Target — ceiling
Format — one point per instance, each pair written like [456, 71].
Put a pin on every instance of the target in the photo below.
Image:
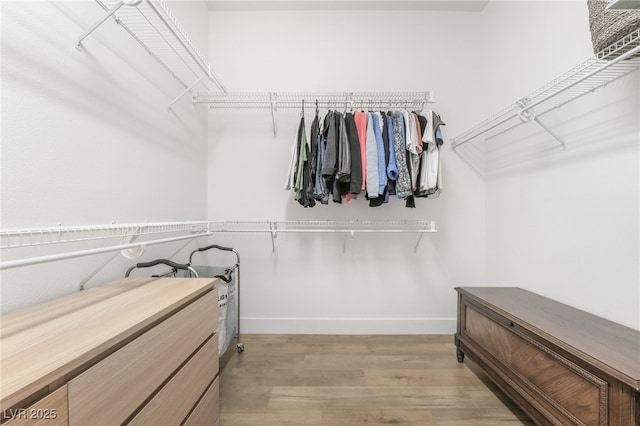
[433, 5]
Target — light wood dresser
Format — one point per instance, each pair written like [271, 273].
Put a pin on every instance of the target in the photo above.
[561, 365]
[136, 351]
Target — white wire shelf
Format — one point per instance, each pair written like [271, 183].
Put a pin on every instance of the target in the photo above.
[328, 100]
[326, 226]
[128, 233]
[608, 65]
[155, 27]
[345, 227]
[29, 237]
[337, 100]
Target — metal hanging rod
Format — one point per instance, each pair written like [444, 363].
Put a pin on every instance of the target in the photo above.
[89, 252]
[329, 100]
[608, 65]
[157, 30]
[335, 100]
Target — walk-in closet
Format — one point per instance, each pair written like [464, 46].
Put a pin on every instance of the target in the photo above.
[234, 212]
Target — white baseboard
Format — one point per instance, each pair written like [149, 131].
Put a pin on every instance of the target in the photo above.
[348, 325]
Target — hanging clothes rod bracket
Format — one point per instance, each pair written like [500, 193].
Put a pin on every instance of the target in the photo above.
[274, 235]
[100, 21]
[527, 114]
[552, 133]
[124, 252]
[415, 248]
[344, 241]
[274, 109]
[187, 90]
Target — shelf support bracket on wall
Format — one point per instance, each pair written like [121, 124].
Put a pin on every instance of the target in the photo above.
[527, 115]
[86, 34]
[344, 241]
[415, 248]
[551, 132]
[274, 235]
[274, 108]
[187, 90]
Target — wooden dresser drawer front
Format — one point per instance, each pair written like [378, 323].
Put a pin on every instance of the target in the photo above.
[110, 391]
[176, 399]
[569, 390]
[49, 411]
[207, 411]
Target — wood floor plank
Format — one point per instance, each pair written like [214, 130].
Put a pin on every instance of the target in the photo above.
[299, 377]
[481, 417]
[358, 380]
[369, 397]
[387, 362]
[421, 377]
[271, 417]
[378, 416]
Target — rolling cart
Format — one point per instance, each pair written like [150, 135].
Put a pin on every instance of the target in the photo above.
[228, 296]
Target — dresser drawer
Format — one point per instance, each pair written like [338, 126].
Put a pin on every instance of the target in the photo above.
[207, 411]
[112, 390]
[564, 390]
[49, 411]
[176, 399]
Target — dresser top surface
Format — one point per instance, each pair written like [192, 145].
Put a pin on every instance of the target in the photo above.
[43, 343]
[608, 342]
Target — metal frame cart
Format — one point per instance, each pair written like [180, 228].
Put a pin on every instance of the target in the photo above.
[225, 273]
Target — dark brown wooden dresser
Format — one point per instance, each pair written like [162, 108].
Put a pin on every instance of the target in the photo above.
[561, 365]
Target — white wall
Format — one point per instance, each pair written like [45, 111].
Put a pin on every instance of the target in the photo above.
[379, 285]
[86, 137]
[562, 224]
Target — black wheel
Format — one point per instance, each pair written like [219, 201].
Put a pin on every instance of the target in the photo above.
[240, 348]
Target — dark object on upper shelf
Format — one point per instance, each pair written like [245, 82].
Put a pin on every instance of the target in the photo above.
[608, 26]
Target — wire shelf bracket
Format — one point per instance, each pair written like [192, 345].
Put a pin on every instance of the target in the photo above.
[617, 61]
[328, 100]
[156, 29]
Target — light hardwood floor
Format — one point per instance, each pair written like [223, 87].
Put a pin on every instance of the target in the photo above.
[356, 380]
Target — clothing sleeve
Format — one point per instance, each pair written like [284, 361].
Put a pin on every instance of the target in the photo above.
[361, 127]
[382, 167]
[329, 167]
[429, 135]
[344, 158]
[293, 162]
[372, 160]
[392, 169]
[355, 186]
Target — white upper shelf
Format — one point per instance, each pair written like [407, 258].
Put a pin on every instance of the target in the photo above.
[155, 27]
[608, 65]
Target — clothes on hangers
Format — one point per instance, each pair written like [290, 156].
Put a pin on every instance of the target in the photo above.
[360, 119]
[403, 186]
[430, 185]
[372, 159]
[355, 184]
[381, 153]
[302, 179]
